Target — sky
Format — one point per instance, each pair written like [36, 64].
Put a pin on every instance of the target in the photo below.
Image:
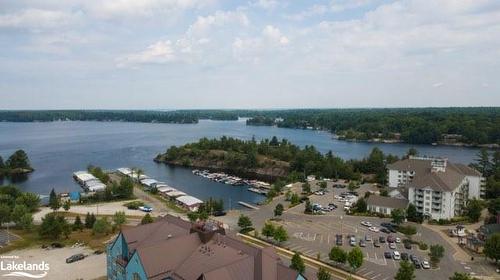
[259, 54]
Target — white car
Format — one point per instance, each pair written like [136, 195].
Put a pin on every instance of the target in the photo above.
[366, 224]
[398, 240]
[392, 245]
[426, 265]
[374, 229]
[396, 255]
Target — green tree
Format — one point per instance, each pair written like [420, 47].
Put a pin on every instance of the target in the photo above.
[308, 207]
[473, 209]
[412, 152]
[26, 222]
[297, 263]
[192, 216]
[101, 226]
[355, 258]
[2, 165]
[4, 213]
[323, 274]
[268, 230]
[411, 212]
[53, 226]
[147, 219]
[436, 253]
[492, 247]
[119, 219]
[406, 271]
[398, 216]
[482, 162]
[338, 255]
[280, 235]
[361, 206]
[306, 188]
[278, 210]
[323, 185]
[294, 199]
[67, 205]
[19, 160]
[125, 189]
[90, 220]
[54, 202]
[30, 200]
[462, 276]
[78, 225]
[18, 212]
[244, 222]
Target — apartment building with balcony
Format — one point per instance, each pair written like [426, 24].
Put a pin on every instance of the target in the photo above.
[438, 188]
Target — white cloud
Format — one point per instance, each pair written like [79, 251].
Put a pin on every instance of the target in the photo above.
[343, 5]
[266, 4]
[274, 35]
[157, 53]
[202, 25]
[437, 85]
[312, 11]
[37, 19]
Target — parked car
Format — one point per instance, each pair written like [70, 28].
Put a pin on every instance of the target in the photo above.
[398, 240]
[384, 230]
[392, 245]
[386, 225]
[396, 255]
[425, 265]
[338, 239]
[75, 258]
[366, 224]
[391, 239]
[413, 258]
[146, 208]
[388, 255]
[404, 256]
[352, 241]
[381, 239]
[376, 244]
[417, 265]
[407, 245]
[392, 229]
[219, 213]
[373, 229]
[362, 243]
[368, 238]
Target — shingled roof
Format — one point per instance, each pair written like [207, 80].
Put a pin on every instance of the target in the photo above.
[169, 248]
[388, 202]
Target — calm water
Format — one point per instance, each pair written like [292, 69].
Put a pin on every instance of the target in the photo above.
[57, 149]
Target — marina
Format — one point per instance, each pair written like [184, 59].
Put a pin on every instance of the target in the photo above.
[255, 186]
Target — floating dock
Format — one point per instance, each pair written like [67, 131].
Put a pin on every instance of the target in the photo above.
[248, 205]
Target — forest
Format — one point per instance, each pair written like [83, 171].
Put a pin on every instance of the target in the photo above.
[412, 125]
[17, 163]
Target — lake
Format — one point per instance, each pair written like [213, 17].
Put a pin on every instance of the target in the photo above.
[57, 149]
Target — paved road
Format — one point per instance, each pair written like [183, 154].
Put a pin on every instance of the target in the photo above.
[6, 237]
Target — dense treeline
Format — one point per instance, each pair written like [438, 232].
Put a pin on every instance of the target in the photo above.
[181, 116]
[17, 163]
[412, 125]
[241, 155]
[17, 206]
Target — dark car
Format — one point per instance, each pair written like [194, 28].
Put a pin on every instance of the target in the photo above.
[391, 239]
[388, 255]
[417, 264]
[413, 258]
[384, 230]
[338, 239]
[386, 225]
[75, 258]
[391, 229]
[362, 243]
[219, 213]
[381, 239]
[376, 244]
[57, 245]
[407, 245]
[404, 256]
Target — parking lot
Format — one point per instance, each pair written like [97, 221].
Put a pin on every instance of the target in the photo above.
[314, 235]
[6, 237]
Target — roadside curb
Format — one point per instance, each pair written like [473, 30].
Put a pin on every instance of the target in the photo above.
[307, 260]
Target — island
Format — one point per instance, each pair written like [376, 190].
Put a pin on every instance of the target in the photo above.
[17, 164]
[272, 159]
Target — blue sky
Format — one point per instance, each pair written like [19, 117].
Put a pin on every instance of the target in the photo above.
[168, 54]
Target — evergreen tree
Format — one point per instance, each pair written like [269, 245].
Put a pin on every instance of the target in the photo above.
[492, 247]
[54, 202]
[67, 205]
[268, 230]
[297, 263]
[147, 219]
[406, 271]
[89, 220]
[278, 211]
[2, 164]
[78, 225]
[244, 222]
[436, 253]
[119, 219]
[19, 159]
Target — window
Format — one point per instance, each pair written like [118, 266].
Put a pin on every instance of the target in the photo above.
[136, 276]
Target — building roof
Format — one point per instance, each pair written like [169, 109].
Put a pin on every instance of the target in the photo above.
[425, 177]
[166, 189]
[221, 257]
[188, 200]
[388, 202]
[149, 182]
[175, 193]
[83, 176]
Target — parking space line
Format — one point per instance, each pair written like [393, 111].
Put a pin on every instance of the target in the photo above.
[362, 269]
[328, 238]
[368, 273]
[375, 277]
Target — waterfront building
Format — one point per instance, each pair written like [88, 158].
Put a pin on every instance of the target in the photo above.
[189, 202]
[174, 249]
[439, 189]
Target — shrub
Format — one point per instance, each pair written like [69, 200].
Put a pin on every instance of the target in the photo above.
[134, 205]
[423, 246]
